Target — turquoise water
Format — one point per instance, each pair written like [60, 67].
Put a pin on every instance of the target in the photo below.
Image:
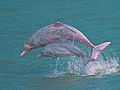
[98, 19]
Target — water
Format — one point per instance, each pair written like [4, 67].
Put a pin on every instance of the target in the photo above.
[99, 20]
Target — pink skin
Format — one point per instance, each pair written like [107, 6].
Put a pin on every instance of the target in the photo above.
[26, 50]
[84, 40]
[80, 36]
[73, 34]
[77, 36]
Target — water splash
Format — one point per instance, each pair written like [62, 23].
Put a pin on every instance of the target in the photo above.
[102, 66]
[107, 63]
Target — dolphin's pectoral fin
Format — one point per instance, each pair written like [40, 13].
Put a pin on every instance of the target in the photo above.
[40, 55]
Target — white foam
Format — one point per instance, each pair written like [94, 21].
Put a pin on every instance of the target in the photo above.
[101, 67]
[105, 64]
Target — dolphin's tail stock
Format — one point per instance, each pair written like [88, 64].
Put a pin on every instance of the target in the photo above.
[98, 49]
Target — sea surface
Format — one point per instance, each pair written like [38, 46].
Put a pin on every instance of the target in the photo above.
[99, 20]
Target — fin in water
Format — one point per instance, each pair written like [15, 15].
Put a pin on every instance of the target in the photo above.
[98, 49]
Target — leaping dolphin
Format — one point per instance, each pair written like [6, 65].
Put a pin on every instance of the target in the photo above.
[58, 32]
[60, 49]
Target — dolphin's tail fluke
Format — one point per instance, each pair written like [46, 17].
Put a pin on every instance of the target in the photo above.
[98, 49]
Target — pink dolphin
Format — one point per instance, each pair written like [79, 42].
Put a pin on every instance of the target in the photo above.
[58, 32]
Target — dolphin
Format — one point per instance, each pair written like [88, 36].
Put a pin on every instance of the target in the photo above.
[63, 49]
[60, 32]
[58, 49]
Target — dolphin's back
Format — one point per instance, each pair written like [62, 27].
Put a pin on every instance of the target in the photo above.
[50, 34]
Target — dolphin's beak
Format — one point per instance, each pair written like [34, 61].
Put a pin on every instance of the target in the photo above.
[26, 50]
[24, 53]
